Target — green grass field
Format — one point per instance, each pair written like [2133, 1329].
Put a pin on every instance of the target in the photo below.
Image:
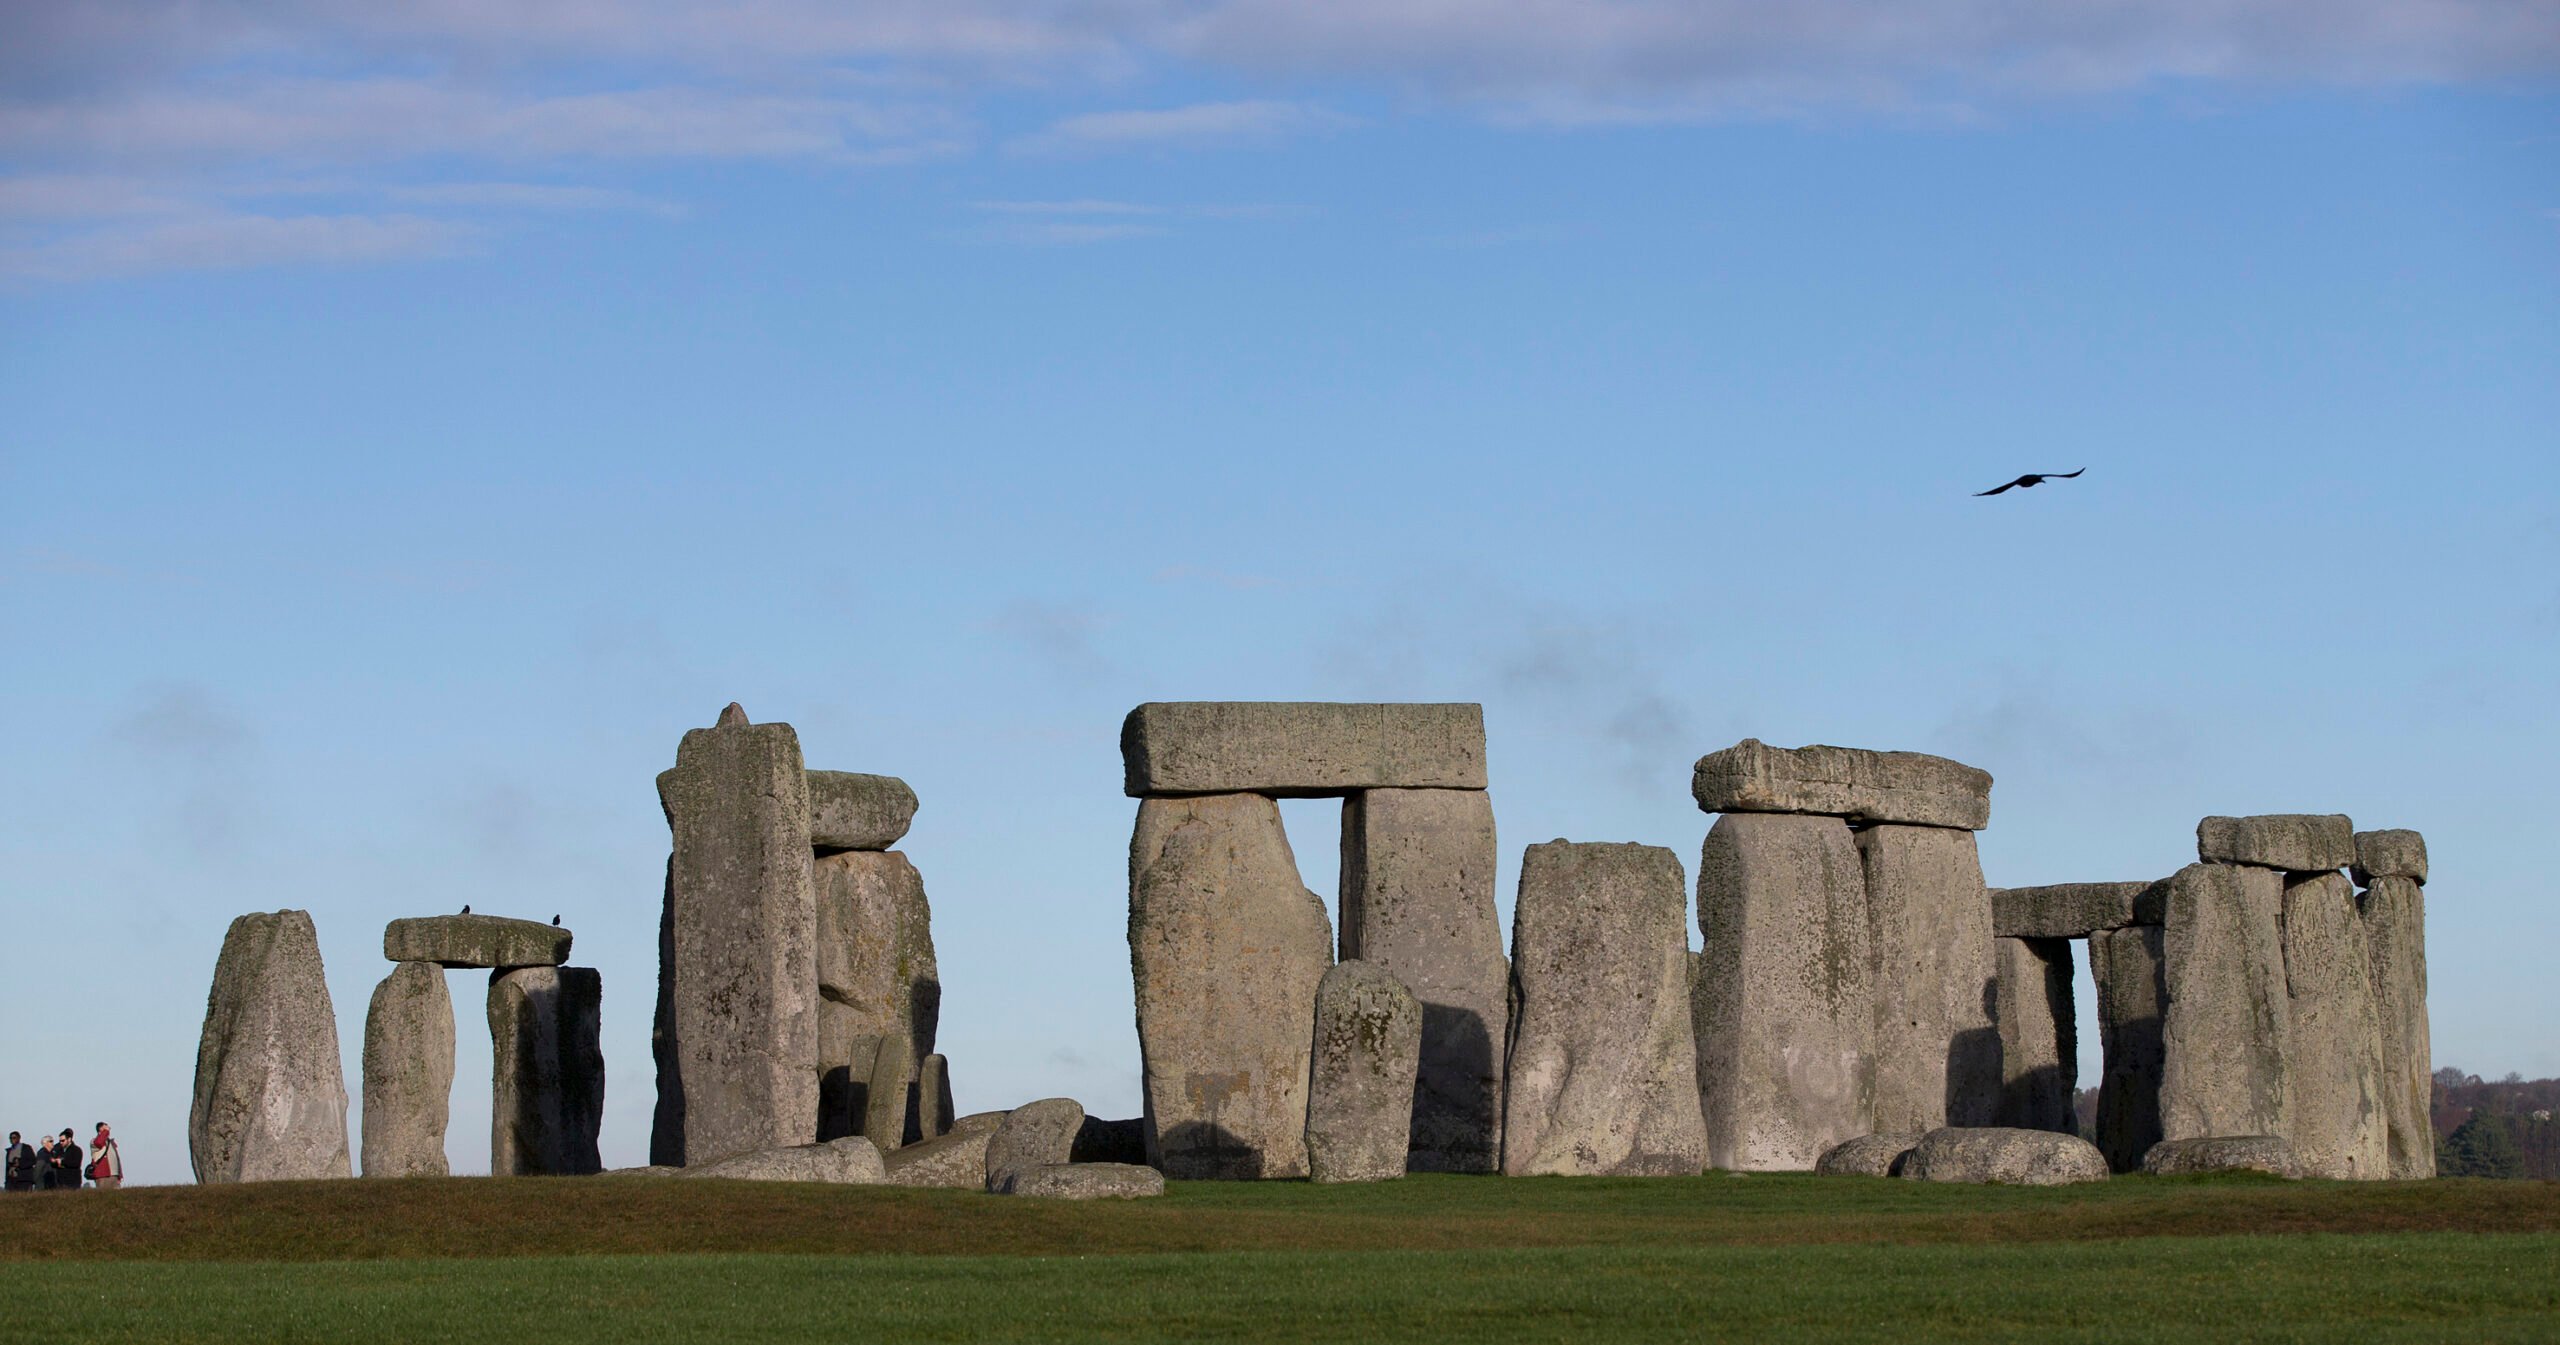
[629, 1261]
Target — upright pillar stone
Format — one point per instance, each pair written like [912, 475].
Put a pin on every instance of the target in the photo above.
[1417, 902]
[743, 936]
[1226, 946]
[934, 1112]
[546, 1071]
[1929, 924]
[2394, 910]
[890, 1098]
[2133, 994]
[2039, 1034]
[2228, 1029]
[2341, 1127]
[1786, 1009]
[408, 1072]
[270, 1100]
[1368, 1043]
[1603, 1063]
[877, 978]
[666, 1118]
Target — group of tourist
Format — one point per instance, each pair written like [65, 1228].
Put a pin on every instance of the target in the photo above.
[54, 1164]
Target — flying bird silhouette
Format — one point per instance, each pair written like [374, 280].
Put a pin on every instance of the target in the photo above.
[2030, 479]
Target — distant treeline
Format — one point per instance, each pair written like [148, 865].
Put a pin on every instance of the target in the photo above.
[2484, 1127]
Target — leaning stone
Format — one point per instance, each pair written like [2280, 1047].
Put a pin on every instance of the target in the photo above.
[1083, 1181]
[2039, 1034]
[1603, 1068]
[1368, 1041]
[1417, 901]
[1862, 786]
[1100, 1141]
[2341, 1127]
[1868, 1156]
[1299, 749]
[2294, 842]
[852, 1161]
[408, 1072]
[1226, 945]
[1929, 926]
[2395, 936]
[2069, 910]
[270, 1102]
[2008, 1157]
[933, 1110]
[2228, 1029]
[546, 1071]
[2390, 854]
[743, 942]
[957, 1160]
[2133, 995]
[490, 941]
[876, 967]
[1785, 1013]
[2270, 1154]
[1034, 1135]
[889, 1106]
[851, 811]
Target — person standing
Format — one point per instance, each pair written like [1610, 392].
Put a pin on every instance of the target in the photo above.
[106, 1160]
[22, 1164]
[66, 1163]
[44, 1164]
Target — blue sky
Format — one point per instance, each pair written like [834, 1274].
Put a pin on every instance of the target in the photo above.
[409, 426]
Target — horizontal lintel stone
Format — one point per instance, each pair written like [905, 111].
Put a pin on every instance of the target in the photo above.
[2390, 854]
[475, 941]
[2074, 910]
[1300, 749]
[852, 811]
[1912, 788]
[2294, 842]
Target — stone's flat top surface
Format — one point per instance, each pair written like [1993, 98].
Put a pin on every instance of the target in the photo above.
[2221, 1153]
[2389, 854]
[1083, 1181]
[1867, 1156]
[1300, 749]
[852, 811]
[1996, 1154]
[2074, 910]
[1863, 786]
[475, 941]
[2295, 842]
[854, 1161]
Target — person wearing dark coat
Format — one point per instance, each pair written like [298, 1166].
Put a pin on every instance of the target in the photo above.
[21, 1164]
[44, 1163]
[66, 1163]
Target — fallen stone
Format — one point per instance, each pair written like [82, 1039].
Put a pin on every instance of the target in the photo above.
[1083, 1181]
[2294, 842]
[1299, 749]
[2227, 1032]
[1226, 946]
[1868, 1156]
[2270, 1154]
[2390, 854]
[1417, 901]
[652, 1170]
[890, 1100]
[2131, 975]
[1603, 1066]
[957, 1160]
[876, 971]
[2004, 1156]
[2039, 1034]
[1368, 1042]
[2341, 1127]
[2394, 911]
[852, 1161]
[1100, 1141]
[2073, 910]
[270, 1103]
[490, 941]
[1937, 1051]
[933, 1111]
[1033, 1135]
[851, 811]
[1785, 999]
[546, 1071]
[1846, 782]
[408, 1072]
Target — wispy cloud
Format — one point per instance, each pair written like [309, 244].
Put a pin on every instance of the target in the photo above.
[1089, 220]
[1059, 634]
[531, 196]
[1197, 125]
[235, 241]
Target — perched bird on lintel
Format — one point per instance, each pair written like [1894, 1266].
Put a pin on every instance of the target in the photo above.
[466, 908]
[2030, 479]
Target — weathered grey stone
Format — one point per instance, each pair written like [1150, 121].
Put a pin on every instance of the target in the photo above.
[958, 1159]
[2390, 854]
[2006, 1156]
[852, 1161]
[2333, 1073]
[666, 1117]
[546, 1071]
[408, 1072]
[852, 811]
[2039, 1034]
[1603, 1068]
[1299, 749]
[1226, 945]
[1368, 1043]
[2295, 842]
[877, 973]
[743, 936]
[2133, 996]
[1033, 1135]
[475, 941]
[270, 1102]
[1929, 929]
[1868, 1156]
[1417, 900]
[844, 1070]
[2072, 910]
[1785, 1014]
[2228, 1029]
[1849, 782]
[890, 1103]
[933, 1111]
[2395, 935]
[2221, 1153]
[1083, 1181]
[1100, 1141]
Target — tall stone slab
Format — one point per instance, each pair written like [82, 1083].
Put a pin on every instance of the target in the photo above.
[546, 1086]
[878, 977]
[666, 1118]
[1603, 1062]
[1226, 946]
[1368, 1043]
[1846, 782]
[934, 1112]
[1786, 1020]
[2131, 974]
[2341, 1127]
[2228, 1029]
[1929, 931]
[2394, 911]
[889, 1099]
[1417, 902]
[743, 940]
[408, 1072]
[2039, 1034]
[270, 1099]
[1299, 749]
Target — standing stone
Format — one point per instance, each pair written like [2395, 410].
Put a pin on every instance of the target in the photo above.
[2295, 842]
[546, 1071]
[408, 1072]
[1929, 926]
[1786, 1014]
[270, 1101]
[1226, 945]
[876, 973]
[844, 1071]
[1603, 1071]
[2039, 1034]
[2395, 936]
[1847, 782]
[2334, 1069]
[2227, 1032]
[934, 1112]
[1417, 901]
[744, 936]
[1368, 1044]
[2133, 995]
[889, 1101]
[666, 1119]
[852, 811]
[1299, 749]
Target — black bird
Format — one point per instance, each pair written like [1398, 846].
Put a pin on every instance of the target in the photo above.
[555, 920]
[2030, 479]
[466, 908]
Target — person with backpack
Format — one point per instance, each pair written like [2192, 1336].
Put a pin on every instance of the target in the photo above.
[21, 1164]
[66, 1162]
[106, 1160]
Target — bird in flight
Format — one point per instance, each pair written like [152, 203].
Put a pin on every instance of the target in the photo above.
[2030, 479]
